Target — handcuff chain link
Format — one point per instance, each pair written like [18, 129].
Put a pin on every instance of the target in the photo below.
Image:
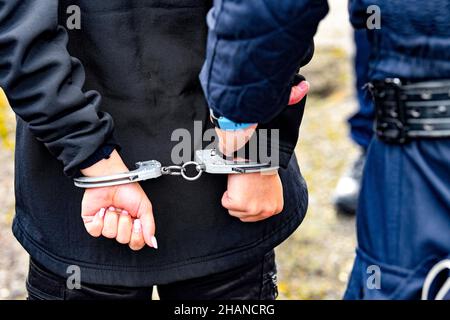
[177, 170]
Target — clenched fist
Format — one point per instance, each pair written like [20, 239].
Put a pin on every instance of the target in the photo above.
[253, 197]
[120, 212]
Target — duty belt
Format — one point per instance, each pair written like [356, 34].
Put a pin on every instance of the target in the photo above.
[412, 110]
[209, 161]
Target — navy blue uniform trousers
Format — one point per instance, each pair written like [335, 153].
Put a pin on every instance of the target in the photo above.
[403, 219]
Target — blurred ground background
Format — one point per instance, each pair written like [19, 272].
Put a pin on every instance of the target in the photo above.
[315, 262]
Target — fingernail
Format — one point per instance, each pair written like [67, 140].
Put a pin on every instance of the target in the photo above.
[154, 242]
[101, 213]
[304, 85]
[124, 213]
[112, 209]
[137, 226]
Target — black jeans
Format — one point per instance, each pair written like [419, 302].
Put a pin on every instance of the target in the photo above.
[256, 281]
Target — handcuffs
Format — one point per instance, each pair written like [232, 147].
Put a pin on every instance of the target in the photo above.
[208, 160]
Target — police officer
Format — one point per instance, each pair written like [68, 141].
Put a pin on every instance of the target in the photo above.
[404, 211]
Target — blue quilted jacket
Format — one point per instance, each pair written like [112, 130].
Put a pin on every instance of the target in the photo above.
[255, 47]
[413, 41]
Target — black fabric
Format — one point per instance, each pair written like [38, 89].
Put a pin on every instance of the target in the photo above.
[144, 58]
[103, 152]
[44, 83]
[256, 281]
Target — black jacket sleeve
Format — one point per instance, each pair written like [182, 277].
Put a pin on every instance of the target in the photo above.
[44, 84]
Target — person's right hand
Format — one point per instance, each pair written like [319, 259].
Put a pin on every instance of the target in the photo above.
[120, 212]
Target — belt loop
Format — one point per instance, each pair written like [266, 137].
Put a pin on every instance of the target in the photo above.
[396, 85]
[391, 124]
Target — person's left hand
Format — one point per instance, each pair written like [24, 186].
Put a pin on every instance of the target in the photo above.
[253, 197]
[121, 212]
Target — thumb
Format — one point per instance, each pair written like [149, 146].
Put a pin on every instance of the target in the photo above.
[299, 92]
[231, 141]
[145, 214]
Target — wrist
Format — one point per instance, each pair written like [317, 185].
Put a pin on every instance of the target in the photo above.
[270, 174]
[114, 164]
[226, 124]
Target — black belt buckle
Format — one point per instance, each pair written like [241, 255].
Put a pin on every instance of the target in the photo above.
[390, 125]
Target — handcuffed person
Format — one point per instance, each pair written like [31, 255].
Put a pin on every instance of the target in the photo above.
[138, 63]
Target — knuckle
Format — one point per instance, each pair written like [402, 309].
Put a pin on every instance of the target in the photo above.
[252, 209]
[233, 213]
[268, 214]
[271, 212]
[251, 219]
[278, 210]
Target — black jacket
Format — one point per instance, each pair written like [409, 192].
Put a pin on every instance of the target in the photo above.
[138, 64]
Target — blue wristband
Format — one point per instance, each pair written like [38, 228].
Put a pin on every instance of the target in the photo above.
[224, 123]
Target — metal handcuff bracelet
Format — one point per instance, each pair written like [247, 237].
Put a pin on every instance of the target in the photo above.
[208, 160]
